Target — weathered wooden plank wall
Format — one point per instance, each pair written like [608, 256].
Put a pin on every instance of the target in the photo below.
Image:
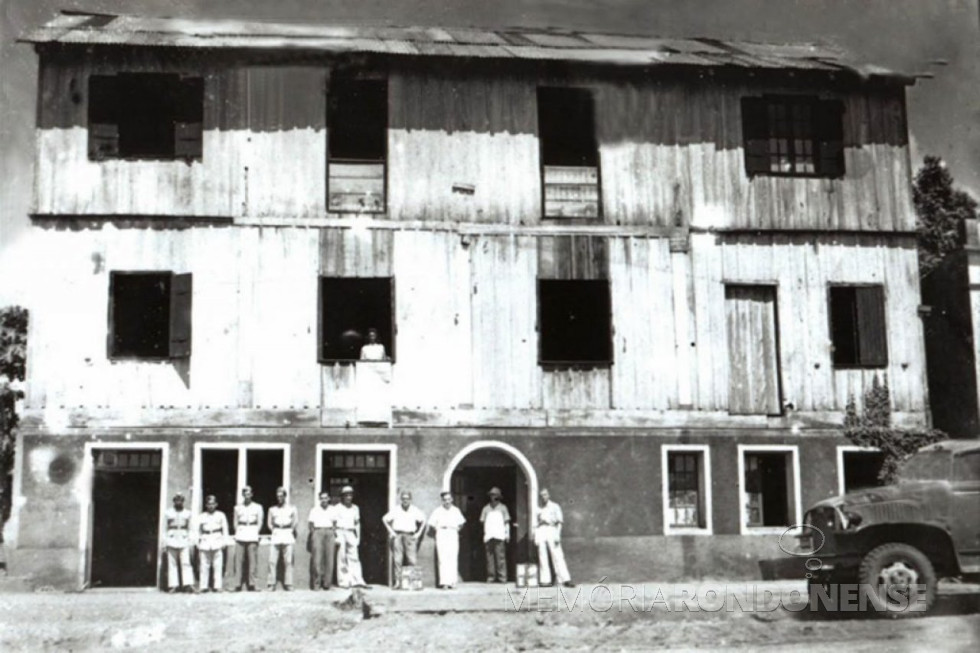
[466, 318]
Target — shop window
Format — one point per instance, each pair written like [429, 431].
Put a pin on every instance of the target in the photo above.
[575, 322]
[357, 144]
[149, 315]
[687, 492]
[857, 326]
[770, 487]
[145, 116]
[225, 470]
[793, 136]
[569, 153]
[349, 307]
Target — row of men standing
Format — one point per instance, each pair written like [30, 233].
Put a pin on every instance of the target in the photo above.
[335, 533]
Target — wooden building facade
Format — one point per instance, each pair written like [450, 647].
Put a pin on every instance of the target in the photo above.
[648, 275]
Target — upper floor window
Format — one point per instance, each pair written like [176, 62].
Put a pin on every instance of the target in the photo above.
[793, 136]
[149, 315]
[351, 308]
[857, 326]
[357, 144]
[569, 153]
[575, 322]
[145, 116]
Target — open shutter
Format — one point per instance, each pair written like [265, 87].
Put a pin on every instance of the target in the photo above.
[830, 138]
[872, 342]
[188, 140]
[189, 118]
[103, 117]
[180, 316]
[755, 135]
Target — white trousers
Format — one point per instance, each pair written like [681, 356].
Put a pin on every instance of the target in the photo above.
[447, 548]
[349, 571]
[545, 537]
[211, 560]
[179, 558]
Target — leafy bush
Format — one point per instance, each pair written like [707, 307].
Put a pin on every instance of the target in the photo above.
[13, 356]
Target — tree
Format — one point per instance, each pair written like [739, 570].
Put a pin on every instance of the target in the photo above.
[941, 210]
[13, 356]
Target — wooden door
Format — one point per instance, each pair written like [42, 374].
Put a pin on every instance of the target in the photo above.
[753, 351]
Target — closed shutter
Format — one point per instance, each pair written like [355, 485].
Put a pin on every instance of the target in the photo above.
[103, 117]
[872, 338]
[180, 316]
[830, 138]
[755, 135]
[188, 140]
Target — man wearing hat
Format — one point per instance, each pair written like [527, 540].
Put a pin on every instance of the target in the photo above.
[348, 520]
[283, 520]
[178, 542]
[496, 533]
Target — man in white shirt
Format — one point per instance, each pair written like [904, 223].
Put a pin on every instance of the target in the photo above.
[248, 520]
[212, 536]
[283, 520]
[404, 524]
[446, 522]
[547, 535]
[178, 543]
[496, 534]
[348, 519]
[373, 350]
[323, 541]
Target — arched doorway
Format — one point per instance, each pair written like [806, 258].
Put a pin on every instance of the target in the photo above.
[470, 475]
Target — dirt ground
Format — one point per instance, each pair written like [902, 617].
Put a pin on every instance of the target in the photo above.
[302, 620]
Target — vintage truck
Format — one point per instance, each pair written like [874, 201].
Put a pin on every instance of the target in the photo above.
[924, 527]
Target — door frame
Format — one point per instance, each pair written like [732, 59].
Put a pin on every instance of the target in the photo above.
[197, 481]
[86, 529]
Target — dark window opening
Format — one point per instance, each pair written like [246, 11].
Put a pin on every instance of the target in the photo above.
[768, 486]
[149, 315]
[145, 116]
[566, 127]
[357, 119]
[219, 476]
[349, 307]
[857, 326]
[793, 136]
[685, 493]
[861, 469]
[575, 322]
[264, 472]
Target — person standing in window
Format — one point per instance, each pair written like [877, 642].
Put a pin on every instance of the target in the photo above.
[373, 350]
[496, 534]
[248, 520]
[179, 546]
[547, 536]
[283, 520]
[212, 534]
[348, 519]
[446, 522]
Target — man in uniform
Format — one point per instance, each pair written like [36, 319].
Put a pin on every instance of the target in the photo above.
[446, 521]
[547, 535]
[248, 520]
[348, 518]
[405, 524]
[496, 534]
[212, 535]
[178, 543]
[323, 541]
[283, 520]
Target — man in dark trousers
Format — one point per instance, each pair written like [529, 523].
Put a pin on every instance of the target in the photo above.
[496, 534]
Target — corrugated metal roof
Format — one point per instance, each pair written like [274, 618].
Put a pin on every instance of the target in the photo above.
[540, 44]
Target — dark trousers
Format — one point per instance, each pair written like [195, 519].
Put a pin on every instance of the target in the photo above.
[496, 561]
[403, 552]
[251, 551]
[324, 547]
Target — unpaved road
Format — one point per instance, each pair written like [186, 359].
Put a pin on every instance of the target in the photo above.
[302, 621]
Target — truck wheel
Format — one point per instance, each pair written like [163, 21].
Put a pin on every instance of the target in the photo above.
[901, 577]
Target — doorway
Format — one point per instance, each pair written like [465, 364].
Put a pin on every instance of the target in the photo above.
[125, 527]
[753, 350]
[471, 478]
[368, 472]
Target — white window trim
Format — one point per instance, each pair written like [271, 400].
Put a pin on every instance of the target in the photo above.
[198, 488]
[705, 451]
[85, 505]
[797, 516]
[841, 450]
[390, 449]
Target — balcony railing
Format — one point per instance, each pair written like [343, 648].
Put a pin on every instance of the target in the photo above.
[356, 186]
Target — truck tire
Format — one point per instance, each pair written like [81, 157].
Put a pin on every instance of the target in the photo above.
[890, 570]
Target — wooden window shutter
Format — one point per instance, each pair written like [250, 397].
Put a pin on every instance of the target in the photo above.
[872, 338]
[188, 140]
[755, 135]
[103, 117]
[180, 316]
[830, 137]
[189, 118]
